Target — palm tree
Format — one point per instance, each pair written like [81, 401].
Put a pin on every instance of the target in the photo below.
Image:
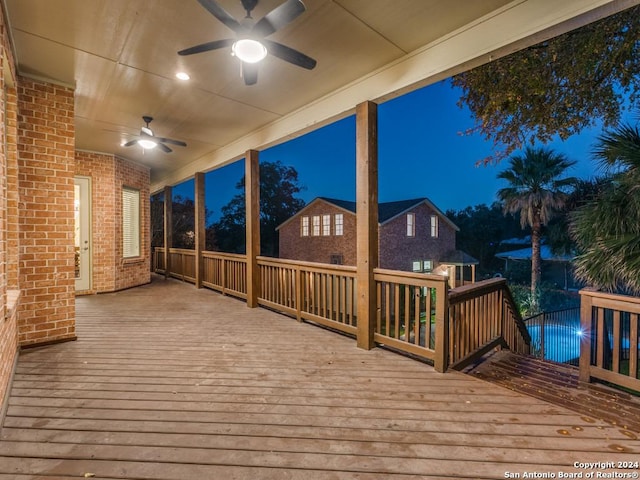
[607, 229]
[536, 190]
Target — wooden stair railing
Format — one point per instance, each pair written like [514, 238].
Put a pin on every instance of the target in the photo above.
[484, 316]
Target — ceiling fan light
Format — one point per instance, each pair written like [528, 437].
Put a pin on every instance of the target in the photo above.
[248, 50]
[147, 144]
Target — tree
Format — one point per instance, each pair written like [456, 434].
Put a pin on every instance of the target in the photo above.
[607, 229]
[481, 230]
[183, 228]
[557, 234]
[536, 190]
[278, 186]
[557, 87]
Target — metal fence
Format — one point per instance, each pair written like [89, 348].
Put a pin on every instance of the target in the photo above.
[555, 336]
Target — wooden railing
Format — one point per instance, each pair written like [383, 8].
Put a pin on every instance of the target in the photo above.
[609, 340]
[415, 312]
[225, 273]
[410, 310]
[482, 317]
[182, 261]
[316, 292]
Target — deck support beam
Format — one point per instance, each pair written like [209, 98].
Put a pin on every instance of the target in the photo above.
[168, 229]
[366, 219]
[252, 199]
[200, 227]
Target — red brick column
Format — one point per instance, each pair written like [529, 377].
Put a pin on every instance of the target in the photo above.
[46, 139]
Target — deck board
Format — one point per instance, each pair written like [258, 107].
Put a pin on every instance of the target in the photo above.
[170, 382]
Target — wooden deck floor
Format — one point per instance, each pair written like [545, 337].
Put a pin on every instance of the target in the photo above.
[170, 382]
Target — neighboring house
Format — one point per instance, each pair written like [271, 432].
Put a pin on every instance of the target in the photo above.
[414, 235]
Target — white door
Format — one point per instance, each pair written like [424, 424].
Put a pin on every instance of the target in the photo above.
[82, 210]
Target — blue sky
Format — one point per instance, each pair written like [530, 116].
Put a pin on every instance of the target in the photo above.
[421, 154]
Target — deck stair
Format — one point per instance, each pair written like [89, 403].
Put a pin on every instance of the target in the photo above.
[558, 384]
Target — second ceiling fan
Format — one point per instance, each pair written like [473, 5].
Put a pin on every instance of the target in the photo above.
[250, 44]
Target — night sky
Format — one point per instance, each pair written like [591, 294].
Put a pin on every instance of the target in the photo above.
[421, 154]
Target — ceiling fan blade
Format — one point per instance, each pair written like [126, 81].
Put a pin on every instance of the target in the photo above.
[164, 148]
[290, 55]
[179, 143]
[221, 14]
[131, 142]
[205, 47]
[278, 18]
[250, 73]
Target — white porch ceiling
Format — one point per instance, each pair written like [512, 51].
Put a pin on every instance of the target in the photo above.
[120, 55]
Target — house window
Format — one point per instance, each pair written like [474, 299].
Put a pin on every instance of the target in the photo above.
[434, 226]
[326, 225]
[338, 227]
[304, 226]
[316, 225]
[422, 266]
[336, 259]
[411, 225]
[130, 222]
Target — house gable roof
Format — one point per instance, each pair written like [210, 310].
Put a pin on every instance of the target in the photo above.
[387, 211]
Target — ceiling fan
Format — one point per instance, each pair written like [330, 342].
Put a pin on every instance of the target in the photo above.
[148, 140]
[250, 44]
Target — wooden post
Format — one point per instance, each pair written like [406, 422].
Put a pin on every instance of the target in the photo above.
[441, 360]
[199, 227]
[168, 229]
[366, 219]
[586, 312]
[252, 198]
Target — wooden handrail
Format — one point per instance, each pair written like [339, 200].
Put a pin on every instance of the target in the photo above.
[231, 256]
[309, 265]
[483, 316]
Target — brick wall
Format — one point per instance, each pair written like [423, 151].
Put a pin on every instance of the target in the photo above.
[398, 251]
[133, 272]
[46, 139]
[8, 240]
[108, 173]
[13, 196]
[319, 249]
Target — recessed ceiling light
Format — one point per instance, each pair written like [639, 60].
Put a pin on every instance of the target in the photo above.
[182, 76]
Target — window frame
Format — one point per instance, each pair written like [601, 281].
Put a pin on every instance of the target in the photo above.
[435, 226]
[411, 224]
[326, 225]
[315, 226]
[131, 239]
[338, 226]
[304, 226]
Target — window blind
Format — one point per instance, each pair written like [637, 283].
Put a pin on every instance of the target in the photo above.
[130, 222]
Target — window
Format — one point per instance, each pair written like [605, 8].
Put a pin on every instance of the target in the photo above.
[130, 222]
[422, 266]
[336, 259]
[338, 227]
[411, 225]
[326, 225]
[316, 225]
[304, 226]
[434, 226]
